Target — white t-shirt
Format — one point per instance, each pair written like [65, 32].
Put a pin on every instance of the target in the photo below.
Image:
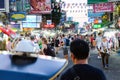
[105, 45]
[98, 41]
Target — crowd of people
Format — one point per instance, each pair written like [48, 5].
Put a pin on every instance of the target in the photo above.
[77, 44]
[63, 41]
[52, 45]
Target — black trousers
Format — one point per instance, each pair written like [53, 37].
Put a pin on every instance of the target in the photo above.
[119, 42]
[105, 58]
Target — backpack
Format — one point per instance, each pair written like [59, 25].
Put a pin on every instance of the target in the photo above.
[67, 42]
[49, 51]
[56, 42]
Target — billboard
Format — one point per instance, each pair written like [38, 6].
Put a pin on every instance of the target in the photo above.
[17, 16]
[113, 0]
[40, 6]
[29, 25]
[15, 26]
[33, 18]
[32, 21]
[96, 1]
[103, 7]
[4, 5]
[91, 14]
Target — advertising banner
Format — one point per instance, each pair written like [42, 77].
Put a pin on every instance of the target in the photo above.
[103, 7]
[17, 16]
[29, 25]
[2, 5]
[32, 21]
[40, 6]
[113, 0]
[91, 14]
[15, 26]
[33, 18]
[96, 1]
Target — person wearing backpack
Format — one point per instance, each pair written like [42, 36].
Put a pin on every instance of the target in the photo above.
[56, 42]
[65, 49]
[67, 42]
[47, 49]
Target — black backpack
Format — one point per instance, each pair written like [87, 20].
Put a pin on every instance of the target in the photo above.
[50, 51]
[67, 42]
[56, 42]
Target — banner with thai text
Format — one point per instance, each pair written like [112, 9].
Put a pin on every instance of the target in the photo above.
[103, 7]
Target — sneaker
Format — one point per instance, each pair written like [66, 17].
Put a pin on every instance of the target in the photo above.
[99, 57]
[106, 67]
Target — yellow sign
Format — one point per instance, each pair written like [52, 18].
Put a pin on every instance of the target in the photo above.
[18, 16]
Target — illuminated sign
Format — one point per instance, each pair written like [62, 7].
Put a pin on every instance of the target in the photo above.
[18, 16]
[49, 26]
[97, 26]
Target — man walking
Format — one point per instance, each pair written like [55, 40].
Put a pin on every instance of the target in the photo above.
[105, 52]
[81, 70]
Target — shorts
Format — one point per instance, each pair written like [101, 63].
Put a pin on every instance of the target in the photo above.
[98, 48]
[65, 51]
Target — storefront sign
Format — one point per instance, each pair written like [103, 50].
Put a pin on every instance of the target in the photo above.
[91, 14]
[103, 7]
[40, 7]
[49, 22]
[49, 26]
[15, 26]
[96, 1]
[96, 26]
[113, 0]
[18, 16]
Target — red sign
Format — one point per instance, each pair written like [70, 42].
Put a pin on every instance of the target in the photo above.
[49, 26]
[103, 7]
[40, 6]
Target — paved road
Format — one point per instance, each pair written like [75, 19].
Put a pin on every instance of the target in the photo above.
[113, 73]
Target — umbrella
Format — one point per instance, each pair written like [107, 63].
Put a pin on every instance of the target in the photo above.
[9, 32]
[26, 46]
[5, 31]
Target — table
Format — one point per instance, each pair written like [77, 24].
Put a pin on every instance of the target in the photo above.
[45, 68]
